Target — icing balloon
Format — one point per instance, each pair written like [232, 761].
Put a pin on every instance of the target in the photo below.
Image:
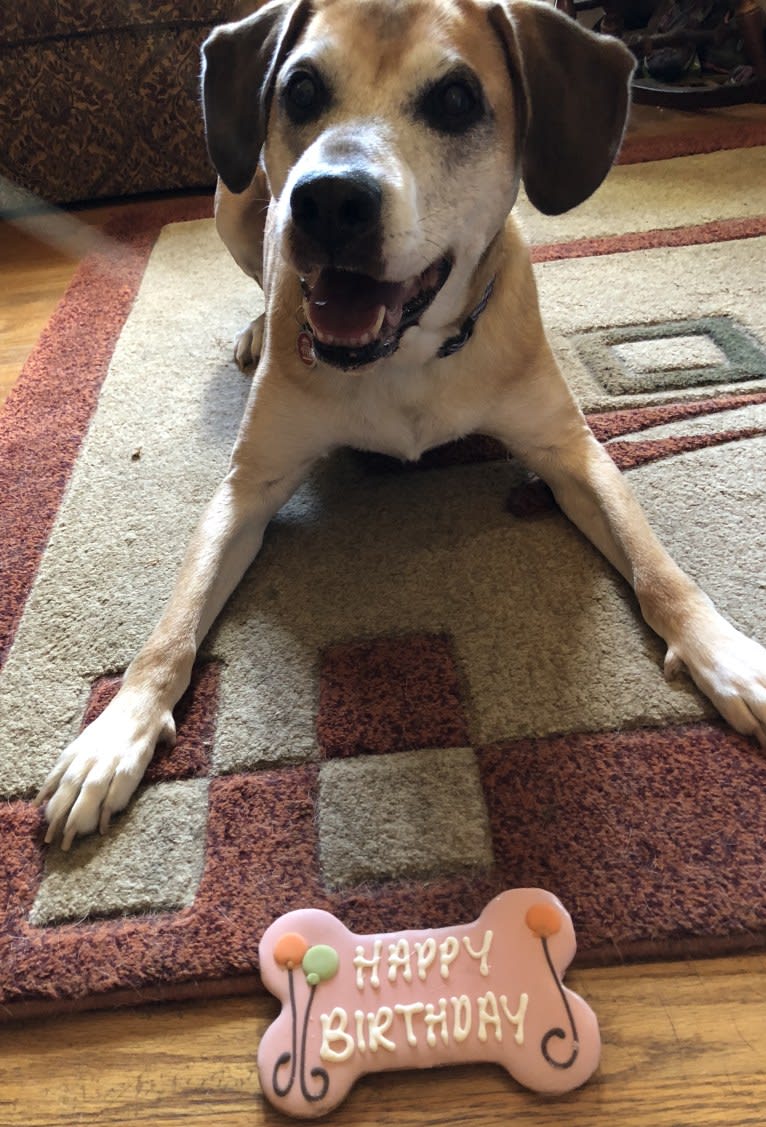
[543, 920]
[320, 963]
[290, 949]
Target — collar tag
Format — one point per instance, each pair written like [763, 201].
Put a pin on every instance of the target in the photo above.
[306, 349]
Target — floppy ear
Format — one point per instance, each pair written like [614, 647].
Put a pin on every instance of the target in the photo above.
[574, 86]
[239, 65]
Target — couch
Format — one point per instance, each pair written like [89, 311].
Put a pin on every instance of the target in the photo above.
[100, 98]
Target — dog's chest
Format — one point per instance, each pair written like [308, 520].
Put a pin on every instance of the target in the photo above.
[404, 413]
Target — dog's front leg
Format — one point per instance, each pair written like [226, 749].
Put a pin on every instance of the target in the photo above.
[241, 220]
[545, 428]
[100, 770]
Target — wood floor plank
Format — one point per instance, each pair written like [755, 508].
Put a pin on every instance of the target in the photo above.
[684, 1046]
[32, 279]
[37, 262]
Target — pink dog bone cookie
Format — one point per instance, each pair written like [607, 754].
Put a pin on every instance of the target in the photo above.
[485, 991]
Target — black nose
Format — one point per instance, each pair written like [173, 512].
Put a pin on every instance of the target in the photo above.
[337, 211]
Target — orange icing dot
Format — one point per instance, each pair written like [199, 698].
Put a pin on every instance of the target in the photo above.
[543, 920]
[290, 949]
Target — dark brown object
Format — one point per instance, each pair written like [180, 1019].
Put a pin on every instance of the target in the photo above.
[634, 22]
[102, 99]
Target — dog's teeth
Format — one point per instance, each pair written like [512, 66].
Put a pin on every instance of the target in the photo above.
[348, 342]
[394, 317]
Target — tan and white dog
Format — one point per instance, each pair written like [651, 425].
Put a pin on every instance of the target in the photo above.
[369, 153]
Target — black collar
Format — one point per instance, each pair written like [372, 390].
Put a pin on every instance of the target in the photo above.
[454, 344]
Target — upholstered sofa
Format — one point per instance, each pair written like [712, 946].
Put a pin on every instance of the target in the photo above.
[100, 98]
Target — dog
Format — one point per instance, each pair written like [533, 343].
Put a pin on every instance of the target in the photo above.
[369, 153]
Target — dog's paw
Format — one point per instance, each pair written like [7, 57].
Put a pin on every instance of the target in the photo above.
[99, 771]
[247, 351]
[729, 668]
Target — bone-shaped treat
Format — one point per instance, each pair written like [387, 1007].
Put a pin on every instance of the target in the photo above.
[484, 991]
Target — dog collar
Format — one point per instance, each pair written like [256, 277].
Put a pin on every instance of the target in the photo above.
[450, 346]
[461, 338]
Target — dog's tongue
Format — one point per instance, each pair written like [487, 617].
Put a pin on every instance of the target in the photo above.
[346, 306]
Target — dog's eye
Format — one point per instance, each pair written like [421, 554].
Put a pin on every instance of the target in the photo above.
[457, 100]
[304, 96]
[452, 105]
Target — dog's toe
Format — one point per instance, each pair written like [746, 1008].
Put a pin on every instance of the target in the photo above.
[674, 666]
[730, 669]
[98, 773]
[247, 351]
[74, 806]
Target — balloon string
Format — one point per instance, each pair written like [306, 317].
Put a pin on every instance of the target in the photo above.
[288, 1057]
[316, 1073]
[559, 1032]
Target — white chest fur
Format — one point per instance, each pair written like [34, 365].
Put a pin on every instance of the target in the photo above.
[404, 409]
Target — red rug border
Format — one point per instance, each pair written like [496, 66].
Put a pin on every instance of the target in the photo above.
[217, 989]
[693, 234]
[722, 137]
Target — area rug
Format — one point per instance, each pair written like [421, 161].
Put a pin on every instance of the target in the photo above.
[429, 687]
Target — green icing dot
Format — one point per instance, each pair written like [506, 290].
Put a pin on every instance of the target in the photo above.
[320, 963]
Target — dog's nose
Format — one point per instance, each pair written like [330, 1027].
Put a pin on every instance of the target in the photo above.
[336, 210]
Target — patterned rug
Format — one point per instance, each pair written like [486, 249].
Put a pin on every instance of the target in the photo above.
[429, 687]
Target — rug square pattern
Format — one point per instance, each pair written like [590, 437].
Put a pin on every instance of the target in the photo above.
[154, 864]
[659, 292]
[367, 689]
[405, 815]
[672, 355]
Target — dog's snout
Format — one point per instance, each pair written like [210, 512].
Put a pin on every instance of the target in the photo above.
[336, 211]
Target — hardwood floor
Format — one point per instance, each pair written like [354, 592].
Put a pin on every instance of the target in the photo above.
[32, 279]
[683, 1046]
[684, 1043]
[38, 259]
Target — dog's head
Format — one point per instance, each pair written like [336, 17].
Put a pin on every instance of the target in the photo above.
[394, 134]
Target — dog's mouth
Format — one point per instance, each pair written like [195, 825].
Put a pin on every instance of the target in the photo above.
[356, 320]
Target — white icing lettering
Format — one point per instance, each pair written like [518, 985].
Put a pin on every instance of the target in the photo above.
[445, 1022]
[334, 1032]
[482, 953]
[461, 1024]
[449, 949]
[407, 1012]
[378, 1025]
[516, 1019]
[399, 960]
[372, 964]
[359, 1019]
[436, 1017]
[426, 953]
[488, 1015]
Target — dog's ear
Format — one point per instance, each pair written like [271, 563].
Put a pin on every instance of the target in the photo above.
[573, 86]
[239, 65]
